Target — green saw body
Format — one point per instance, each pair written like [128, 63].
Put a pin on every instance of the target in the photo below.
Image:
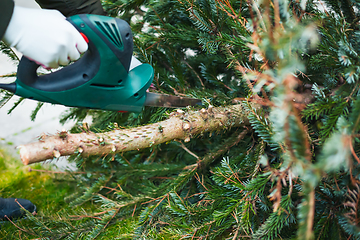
[100, 79]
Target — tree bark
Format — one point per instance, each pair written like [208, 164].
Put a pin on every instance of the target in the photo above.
[180, 125]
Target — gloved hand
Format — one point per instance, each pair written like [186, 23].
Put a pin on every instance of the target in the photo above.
[134, 63]
[44, 36]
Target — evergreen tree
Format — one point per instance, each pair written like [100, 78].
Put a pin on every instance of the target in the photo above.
[290, 171]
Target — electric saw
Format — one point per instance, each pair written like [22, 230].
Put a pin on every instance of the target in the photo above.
[100, 79]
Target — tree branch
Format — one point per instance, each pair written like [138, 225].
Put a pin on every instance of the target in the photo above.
[180, 125]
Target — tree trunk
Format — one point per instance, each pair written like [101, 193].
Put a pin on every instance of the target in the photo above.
[180, 125]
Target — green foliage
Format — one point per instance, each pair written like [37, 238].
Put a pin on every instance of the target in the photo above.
[5, 97]
[292, 172]
[45, 190]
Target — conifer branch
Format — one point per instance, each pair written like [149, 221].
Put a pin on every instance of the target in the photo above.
[180, 125]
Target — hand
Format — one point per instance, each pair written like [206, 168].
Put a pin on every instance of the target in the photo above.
[44, 36]
[134, 63]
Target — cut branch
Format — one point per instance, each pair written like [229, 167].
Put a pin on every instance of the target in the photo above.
[180, 125]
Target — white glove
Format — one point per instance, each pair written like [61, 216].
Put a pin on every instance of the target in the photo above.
[134, 63]
[44, 36]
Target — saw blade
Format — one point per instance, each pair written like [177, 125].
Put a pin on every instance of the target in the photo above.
[163, 100]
